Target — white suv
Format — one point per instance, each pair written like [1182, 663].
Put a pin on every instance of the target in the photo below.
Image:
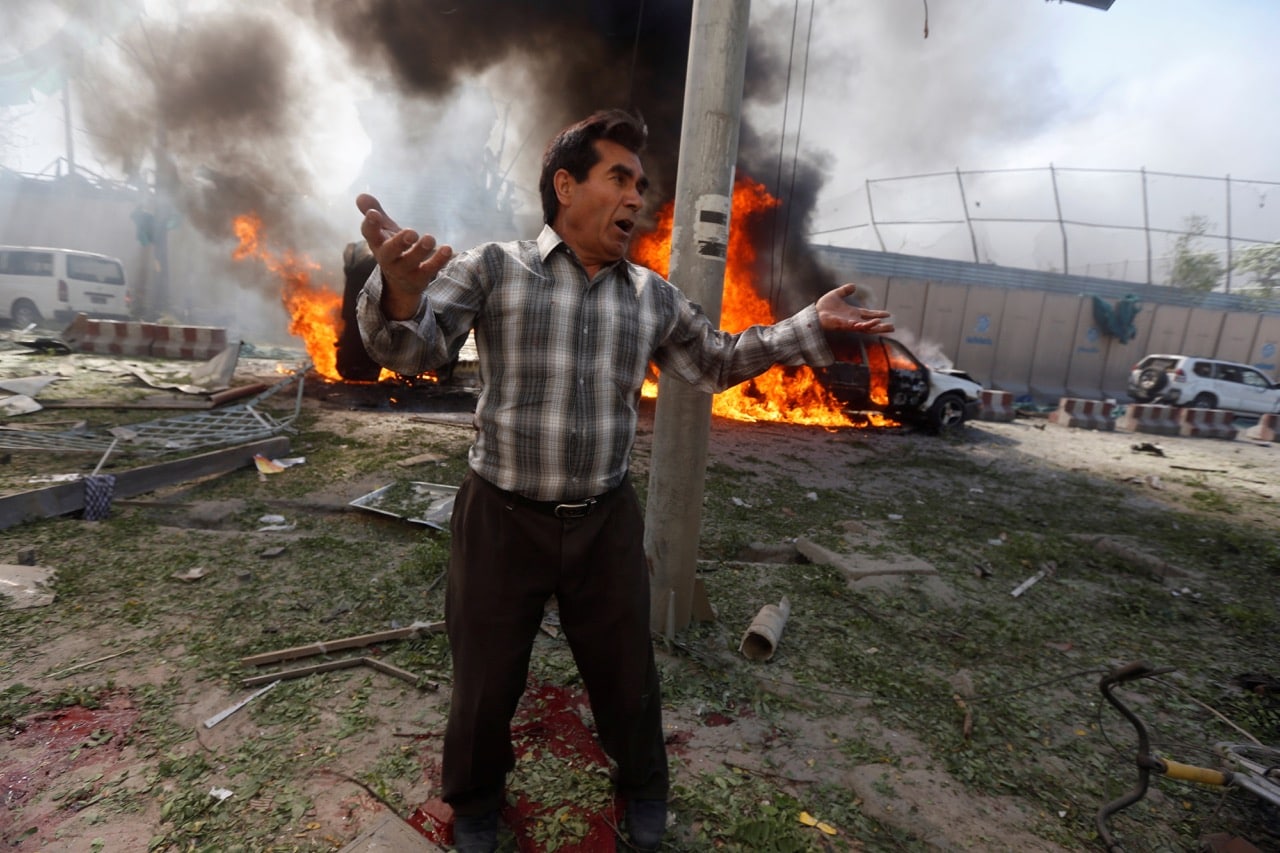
[1203, 383]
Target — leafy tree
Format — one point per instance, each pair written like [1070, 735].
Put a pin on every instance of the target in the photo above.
[1195, 270]
[1263, 263]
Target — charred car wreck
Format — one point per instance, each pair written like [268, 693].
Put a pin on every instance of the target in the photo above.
[354, 363]
[879, 374]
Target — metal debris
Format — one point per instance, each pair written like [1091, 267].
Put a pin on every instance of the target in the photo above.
[1046, 569]
[222, 715]
[230, 425]
[430, 504]
[343, 663]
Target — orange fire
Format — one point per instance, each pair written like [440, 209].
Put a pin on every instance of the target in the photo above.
[791, 395]
[315, 311]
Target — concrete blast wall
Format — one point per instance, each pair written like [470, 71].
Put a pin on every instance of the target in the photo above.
[1262, 354]
[1088, 356]
[1042, 342]
[1050, 354]
[984, 313]
[1238, 334]
[905, 299]
[943, 317]
[1014, 339]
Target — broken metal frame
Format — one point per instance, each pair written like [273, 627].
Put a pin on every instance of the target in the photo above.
[363, 640]
[231, 425]
[342, 663]
[321, 648]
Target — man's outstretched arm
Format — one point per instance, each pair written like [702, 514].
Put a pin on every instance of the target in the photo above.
[408, 262]
[837, 315]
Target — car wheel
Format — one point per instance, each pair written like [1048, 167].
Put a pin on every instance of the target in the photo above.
[1204, 401]
[24, 313]
[946, 413]
[1151, 380]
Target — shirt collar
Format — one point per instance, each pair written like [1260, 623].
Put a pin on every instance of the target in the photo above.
[548, 241]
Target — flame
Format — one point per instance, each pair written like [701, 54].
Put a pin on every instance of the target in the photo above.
[785, 395]
[315, 311]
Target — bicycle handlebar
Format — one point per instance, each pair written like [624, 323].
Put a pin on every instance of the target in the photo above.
[1147, 763]
[1143, 758]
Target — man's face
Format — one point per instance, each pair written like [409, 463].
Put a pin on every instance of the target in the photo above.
[598, 215]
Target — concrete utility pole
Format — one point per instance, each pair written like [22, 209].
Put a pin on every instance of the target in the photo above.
[699, 246]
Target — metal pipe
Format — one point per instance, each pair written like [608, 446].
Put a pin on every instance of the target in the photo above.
[964, 204]
[1146, 221]
[1057, 203]
[1228, 282]
[765, 631]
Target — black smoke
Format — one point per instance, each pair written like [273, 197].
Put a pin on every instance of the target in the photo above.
[216, 100]
[226, 97]
[578, 56]
[575, 56]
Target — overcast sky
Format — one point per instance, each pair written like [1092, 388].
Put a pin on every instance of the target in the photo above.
[1175, 86]
[1172, 86]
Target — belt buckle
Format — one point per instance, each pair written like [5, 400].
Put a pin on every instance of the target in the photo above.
[580, 509]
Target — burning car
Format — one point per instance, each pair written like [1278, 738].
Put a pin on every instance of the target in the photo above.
[354, 364]
[879, 374]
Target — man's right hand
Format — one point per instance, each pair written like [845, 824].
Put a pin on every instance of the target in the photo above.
[408, 262]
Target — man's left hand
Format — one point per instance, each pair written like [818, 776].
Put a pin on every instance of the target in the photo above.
[837, 315]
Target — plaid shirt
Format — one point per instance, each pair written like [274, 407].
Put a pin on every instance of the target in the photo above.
[562, 358]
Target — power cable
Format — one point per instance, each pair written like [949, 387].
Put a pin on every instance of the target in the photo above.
[774, 272]
[795, 153]
[635, 52]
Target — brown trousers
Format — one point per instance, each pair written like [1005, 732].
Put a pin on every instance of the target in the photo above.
[507, 559]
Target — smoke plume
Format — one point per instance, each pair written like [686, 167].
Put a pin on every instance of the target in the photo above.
[567, 58]
[233, 95]
[561, 59]
[220, 102]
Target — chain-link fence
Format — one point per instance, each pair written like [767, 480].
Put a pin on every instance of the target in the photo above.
[1110, 223]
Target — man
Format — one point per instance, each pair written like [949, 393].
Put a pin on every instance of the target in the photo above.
[565, 328]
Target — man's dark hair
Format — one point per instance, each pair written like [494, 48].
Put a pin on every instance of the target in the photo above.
[573, 149]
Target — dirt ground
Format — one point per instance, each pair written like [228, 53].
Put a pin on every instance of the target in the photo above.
[912, 792]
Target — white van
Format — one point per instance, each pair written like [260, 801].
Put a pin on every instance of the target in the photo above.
[38, 285]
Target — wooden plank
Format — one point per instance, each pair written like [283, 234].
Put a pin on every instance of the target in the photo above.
[324, 648]
[163, 401]
[64, 498]
[237, 393]
[160, 401]
[302, 671]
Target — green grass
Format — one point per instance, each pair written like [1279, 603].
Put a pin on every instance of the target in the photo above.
[891, 653]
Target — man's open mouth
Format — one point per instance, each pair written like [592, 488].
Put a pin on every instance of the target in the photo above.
[626, 225]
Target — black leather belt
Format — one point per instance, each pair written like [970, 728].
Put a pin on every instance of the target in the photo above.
[558, 509]
[577, 509]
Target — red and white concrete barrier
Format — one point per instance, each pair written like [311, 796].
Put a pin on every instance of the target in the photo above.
[109, 337]
[197, 342]
[1206, 423]
[1084, 414]
[997, 406]
[1149, 417]
[1264, 429]
[131, 338]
